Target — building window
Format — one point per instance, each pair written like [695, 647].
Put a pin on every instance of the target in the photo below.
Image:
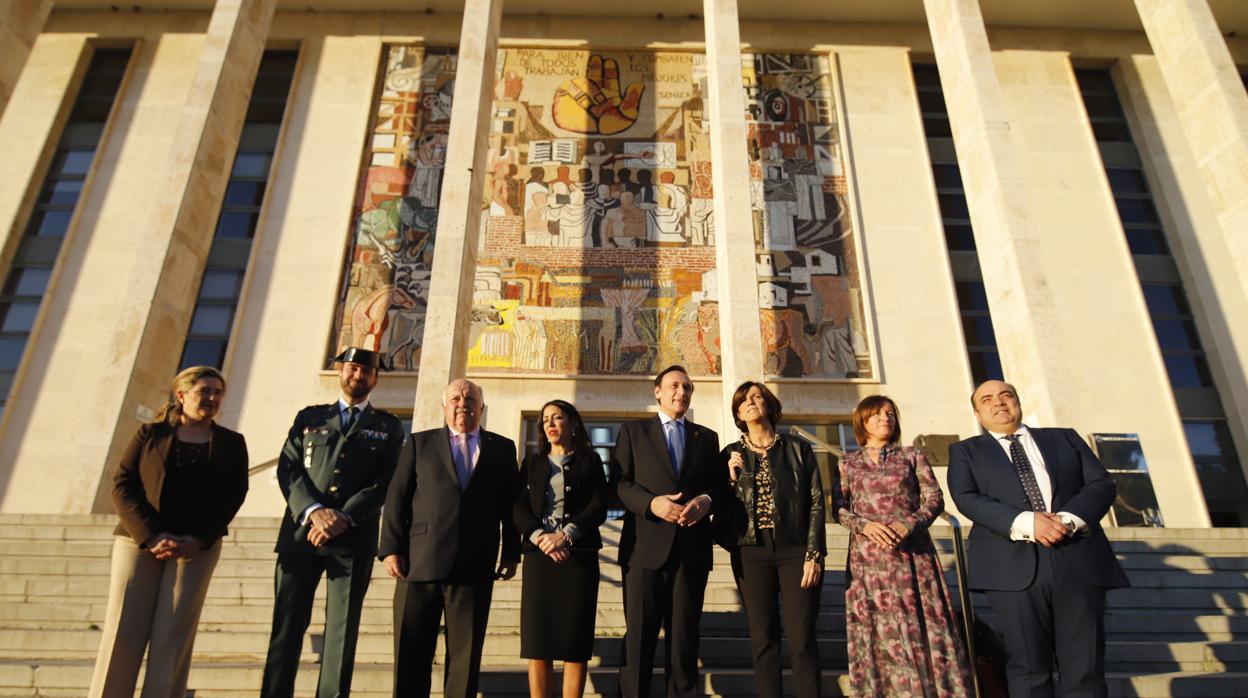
[955, 216]
[27, 280]
[1217, 465]
[222, 282]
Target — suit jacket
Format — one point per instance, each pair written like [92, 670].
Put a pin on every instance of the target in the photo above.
[350, 472]
[985, 487]
[584, 497]
[444, 532]
[139, 479]
[645, 472]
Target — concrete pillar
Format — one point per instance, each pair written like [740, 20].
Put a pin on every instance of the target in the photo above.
[740, 338]
[1213, 110]
[1024, 315]
[444, 351]
[20, 23]
[118, 339]
[28, 135]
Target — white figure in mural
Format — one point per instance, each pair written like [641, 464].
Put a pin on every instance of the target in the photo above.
[665, 222]
[836, 351]
[780, 231]
[702, 222]
[573, 215]
[428, 154]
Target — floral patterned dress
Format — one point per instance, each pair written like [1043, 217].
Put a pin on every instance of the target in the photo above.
[903, 637]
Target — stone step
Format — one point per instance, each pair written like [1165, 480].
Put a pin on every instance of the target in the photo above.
[235, 680]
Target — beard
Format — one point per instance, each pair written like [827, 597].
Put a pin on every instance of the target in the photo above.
[356, 389]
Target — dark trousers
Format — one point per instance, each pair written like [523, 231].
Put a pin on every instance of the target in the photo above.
[1057, 618]
[418, 610]
[764, 572]
[669, 598]
[295, 586]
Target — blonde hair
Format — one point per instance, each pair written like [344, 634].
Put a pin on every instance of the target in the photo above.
[186, 379]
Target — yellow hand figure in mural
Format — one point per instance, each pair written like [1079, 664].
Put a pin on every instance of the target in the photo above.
[594, 103]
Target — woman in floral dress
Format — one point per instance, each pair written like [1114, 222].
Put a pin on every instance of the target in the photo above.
[903, 638]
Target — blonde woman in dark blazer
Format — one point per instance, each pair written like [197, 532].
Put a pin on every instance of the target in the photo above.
[178, 484]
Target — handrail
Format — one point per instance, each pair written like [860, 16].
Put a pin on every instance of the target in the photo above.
[261, 467]
[959, 557]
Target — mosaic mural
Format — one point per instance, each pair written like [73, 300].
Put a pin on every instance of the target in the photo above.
[598, 252]
[384, 292]
[809, 278]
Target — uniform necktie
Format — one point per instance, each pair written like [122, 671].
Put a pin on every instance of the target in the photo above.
[348, 420]
[1028, 476]
[675, 444]
[465, 465]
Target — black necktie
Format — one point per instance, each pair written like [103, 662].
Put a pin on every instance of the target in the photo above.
[1028, 476]
[349, 420]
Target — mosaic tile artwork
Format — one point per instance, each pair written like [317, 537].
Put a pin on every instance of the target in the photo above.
[385, 286]
[598, 253]
[810, 289]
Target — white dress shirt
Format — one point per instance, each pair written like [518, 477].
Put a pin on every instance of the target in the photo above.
[1024, 526]
[664, 420]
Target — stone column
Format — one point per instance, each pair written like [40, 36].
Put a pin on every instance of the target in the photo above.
[1024, 315]
[740, 339]
[117, 339]
[20, 22]
[444, 351]
[1212, 106]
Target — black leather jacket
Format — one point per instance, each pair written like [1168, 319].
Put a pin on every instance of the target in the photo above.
[798, 493]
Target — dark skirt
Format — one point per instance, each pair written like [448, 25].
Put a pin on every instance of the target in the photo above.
[558, 605]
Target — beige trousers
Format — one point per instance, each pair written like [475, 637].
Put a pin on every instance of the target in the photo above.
[152, 605]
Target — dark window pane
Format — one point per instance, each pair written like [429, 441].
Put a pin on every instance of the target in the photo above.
[11, 352]
[52, 224]
[212, 320]
[1146, 242]
[1177, 334]
[72, 162]
[265, 112]
[17, 317]
[978, 331]
[236, 225]
[937, 127]
[959, 237]
[985, 365]
[203, 352]
[251, 165]
[6, 382]
[27, 282]
[926, 75]
[220, 285]
[953, 206]
[61, 192]
[1094, 80]
[93, 110]
[1111, 131]
[260, 135]
[947, 176]
[1102, 105]
[1165, 300]
[1137, 211]
[932, 103]
[1187, 371]
[971, 295]
[1127, 181]
[1207, 439]
[244, 193]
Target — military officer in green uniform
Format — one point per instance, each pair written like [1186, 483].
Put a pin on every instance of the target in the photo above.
[333, 471]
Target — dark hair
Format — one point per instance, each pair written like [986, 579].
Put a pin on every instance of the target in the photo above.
[772, 402]
[580, 435]
[658, 380]
[984, 382]
[869, 406]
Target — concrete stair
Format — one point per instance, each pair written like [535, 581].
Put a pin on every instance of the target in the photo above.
[1181, 631]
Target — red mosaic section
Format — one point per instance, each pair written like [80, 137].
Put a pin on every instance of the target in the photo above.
[504, 240]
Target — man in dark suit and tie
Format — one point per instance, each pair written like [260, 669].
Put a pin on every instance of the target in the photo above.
[1036, 497]
[451, 496]
[669, 480]
[333, 471]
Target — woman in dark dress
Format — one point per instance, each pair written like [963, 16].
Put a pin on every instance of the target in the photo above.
[561, 504]
[177, 485]
[775, 532]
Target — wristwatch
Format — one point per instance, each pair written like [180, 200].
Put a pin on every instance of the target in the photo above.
[1070, 526]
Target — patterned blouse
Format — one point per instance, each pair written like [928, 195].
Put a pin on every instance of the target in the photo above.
[764, 490]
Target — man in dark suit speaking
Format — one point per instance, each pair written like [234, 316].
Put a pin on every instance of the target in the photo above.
[670, 480]
[450, 497]
[1036, 497]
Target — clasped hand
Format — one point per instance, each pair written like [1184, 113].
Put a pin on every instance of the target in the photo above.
[885, 535]
[1049, 529]
[668, 508]
[326, 525]
[554, 545]
[168, 546]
